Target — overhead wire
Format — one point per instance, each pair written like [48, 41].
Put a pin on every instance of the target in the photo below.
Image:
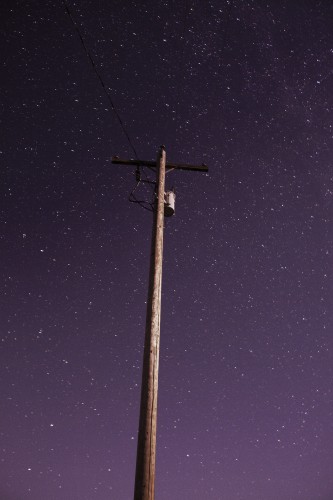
[113, 107]
[132, 198]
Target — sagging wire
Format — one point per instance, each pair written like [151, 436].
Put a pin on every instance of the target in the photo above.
[143, 203]
[132, 198]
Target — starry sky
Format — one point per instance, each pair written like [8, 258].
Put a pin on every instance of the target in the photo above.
[245, 390]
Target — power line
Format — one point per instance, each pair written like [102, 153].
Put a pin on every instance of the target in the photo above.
[114, 109]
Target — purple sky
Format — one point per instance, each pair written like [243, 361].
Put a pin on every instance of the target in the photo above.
[245, 396]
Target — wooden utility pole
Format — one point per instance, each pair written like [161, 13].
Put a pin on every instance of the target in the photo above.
[146, 449]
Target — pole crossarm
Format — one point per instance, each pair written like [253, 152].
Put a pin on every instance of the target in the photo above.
[168, 166]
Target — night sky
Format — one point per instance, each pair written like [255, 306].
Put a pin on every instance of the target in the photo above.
[246, 366]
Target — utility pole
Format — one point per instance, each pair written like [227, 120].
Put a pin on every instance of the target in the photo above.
[146, 449]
